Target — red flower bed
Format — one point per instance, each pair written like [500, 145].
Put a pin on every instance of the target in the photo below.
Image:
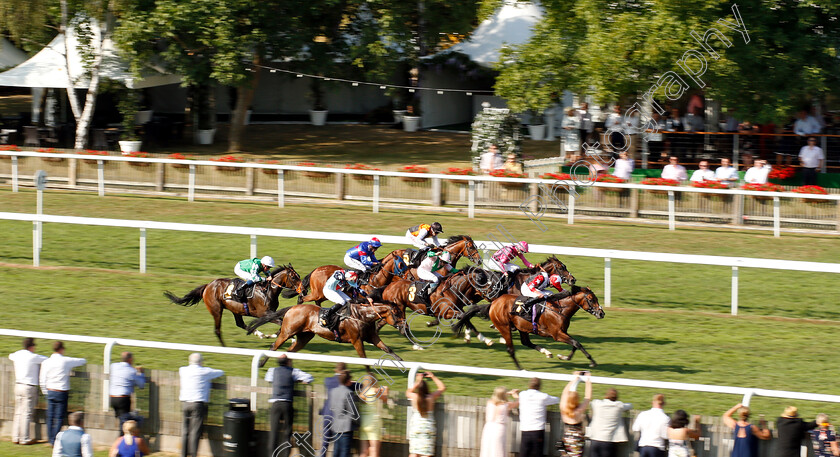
[138, 154]
[557, 176]
[709, 184]
[179, 156]
[414, 169]
[91, 152]
[9, 147]
[460, 171]
[610, 178]
[314, 174]
[228, 159]
[361, 166]
[782, 172]
[810, 190]
[660, 182]
[502, 173]
[768, 187]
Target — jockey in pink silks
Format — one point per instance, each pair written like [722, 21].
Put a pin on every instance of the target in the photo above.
[503, 257]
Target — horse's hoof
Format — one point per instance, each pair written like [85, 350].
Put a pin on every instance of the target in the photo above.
[273, 335]
[502, 340]
[593, 364]
[563, 357]
[417, 348]
[546, 352]
[432, 324]
[467, 340]
[259, 334]
[492, 326]
[488, 342]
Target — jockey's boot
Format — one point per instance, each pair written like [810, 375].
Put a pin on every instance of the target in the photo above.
[430, 289]
[331, 317]
[239, 293]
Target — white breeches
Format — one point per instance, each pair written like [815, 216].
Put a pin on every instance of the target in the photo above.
[526, 291]
[353, 263]
[336, 296]
[417, 242]
[245, 275]
[427, 275]
[509, 267]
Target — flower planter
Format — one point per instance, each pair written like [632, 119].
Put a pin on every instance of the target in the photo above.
[460, 182]
[537, 132]
[318, 117]
[367, 178]
[229, 169]
[270, 171]
[658, 192]
[52, 159]
[316, 174]
[606, 191]
[761, 198]
[814, 201]
[205, 137]
[511, 185]
[140, 164]
[398, 115]
[180, 165]
[411, 123]
[409, 179]
[127, 146]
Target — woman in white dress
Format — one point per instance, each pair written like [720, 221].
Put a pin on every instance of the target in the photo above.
[571, 129]
[494, 436]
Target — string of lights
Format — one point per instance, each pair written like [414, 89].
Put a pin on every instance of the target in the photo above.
[410, 89]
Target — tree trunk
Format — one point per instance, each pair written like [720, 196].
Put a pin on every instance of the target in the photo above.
[71, 91]
[245, 95]
[83, 123]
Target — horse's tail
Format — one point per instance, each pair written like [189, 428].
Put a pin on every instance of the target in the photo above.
[275, 316]
[476, 310]
[187, 300]
[304, 288]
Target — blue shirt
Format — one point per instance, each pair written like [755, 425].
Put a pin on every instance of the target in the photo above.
[195, 382]
[123, 379]
[363, 252]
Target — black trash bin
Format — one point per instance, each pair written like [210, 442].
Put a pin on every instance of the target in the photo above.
[238, 429]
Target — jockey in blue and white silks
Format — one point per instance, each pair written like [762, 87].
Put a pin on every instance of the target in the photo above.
[362, 257]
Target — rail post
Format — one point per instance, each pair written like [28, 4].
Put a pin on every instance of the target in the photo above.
[253, 246]
[14, 173]
[734, 306]
[672, 206]
[607, 281]
[281, 191]
[191, 186]
[376, 188]
[255, 376]
[776, 218]
[100, 177]
[106, 374]
[471, 201]
[570, 217]
[142, 250]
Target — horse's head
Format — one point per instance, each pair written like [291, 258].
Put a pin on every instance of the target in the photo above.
[554, 266]
[286, 276]
[463, 245]
[393, 315]
[588, 302]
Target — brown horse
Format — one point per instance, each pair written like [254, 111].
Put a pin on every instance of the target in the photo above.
[359, 327]
[312, 285]
[265, 299]
[513, 283]
[458, 246]
[553, 323]
[446, 302]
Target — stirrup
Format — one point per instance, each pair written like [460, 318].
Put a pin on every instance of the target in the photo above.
[337, 336]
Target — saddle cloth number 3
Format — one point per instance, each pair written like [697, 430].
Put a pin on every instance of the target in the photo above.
[412, 291]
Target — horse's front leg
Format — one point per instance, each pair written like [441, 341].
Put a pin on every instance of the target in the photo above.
[526, 341]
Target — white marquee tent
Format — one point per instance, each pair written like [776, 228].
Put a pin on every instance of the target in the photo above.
[10, 55]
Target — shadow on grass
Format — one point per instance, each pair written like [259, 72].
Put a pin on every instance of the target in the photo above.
[618, 368]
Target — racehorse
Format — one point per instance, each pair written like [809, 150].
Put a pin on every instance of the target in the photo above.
[264, 298]
[302, 321]
[380, 276]
[446, 302]
[512, 285]
[553, 322]
[457, 245]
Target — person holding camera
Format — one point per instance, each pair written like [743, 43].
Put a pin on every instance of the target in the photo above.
[572, 411]
[423, 429]
[746, 435]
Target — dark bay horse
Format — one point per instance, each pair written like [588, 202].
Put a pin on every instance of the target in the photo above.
[458, 246]
[265, 299]
[551, 265]
[553, 323]
[359, 327]
[312, 285]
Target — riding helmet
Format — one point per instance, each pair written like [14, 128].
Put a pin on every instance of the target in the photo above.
[437, 228]
[556, 281]
[375, 243]
[351, 276]
[267, 262]
[445, 257]
[522, 246]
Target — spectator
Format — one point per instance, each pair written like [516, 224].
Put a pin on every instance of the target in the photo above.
[491, 160]
[283, 379]
[757, 174]
[124, 377]
[694, 123]
[55, 384]
[731, 124]
[674, 170]
[532, 404]
[679, 434]
[195, 394]
[572, 412]
[341, 404]
[745, 435]
[615, 121]
[823, 439]
[623, 166]
[27, 365]
[370, 426]
[73, 441]
[811, 158]
[656, 143]
[806, 125]
[703, 173]
[496, 421]
[512, 165]
[585, 122]
[791, 429]
[571, 131]
[674, 124]
[130, 444]
[422, 432]
[726, 173]
[653, 427]
[329, 384]
[607, 427]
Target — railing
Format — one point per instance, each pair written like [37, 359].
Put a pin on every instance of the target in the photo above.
[485, 246]
[536, 198]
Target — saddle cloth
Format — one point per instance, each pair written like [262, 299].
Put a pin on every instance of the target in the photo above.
[340, 316]
[249, 291]
[417, 292]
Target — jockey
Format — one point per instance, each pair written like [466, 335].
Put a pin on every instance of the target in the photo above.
[418, 234]
[503, 256]
[535, 288]
[249, 271]
[361, 257]
[428, 268]
[334, 293]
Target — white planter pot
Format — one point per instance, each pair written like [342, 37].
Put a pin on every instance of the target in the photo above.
[411, 123]
[398, 115]
[537, 132]
[318, 117]
[206, 136]
[130, 146]
[248, 117]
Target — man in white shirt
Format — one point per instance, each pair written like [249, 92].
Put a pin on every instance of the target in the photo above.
[757, 174]
[195, 394]
[586, 123]
[811, 158]
[674, 170]
[726, 173]
[703, 173]
[653, 425]
[123, 379]
[623, 166]
[73, 441]
[55, 384]
[532, 404]
[806, 125]
[491, 160]
[27, 365]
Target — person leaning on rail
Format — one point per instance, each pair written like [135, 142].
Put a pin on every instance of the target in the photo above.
[745, 435]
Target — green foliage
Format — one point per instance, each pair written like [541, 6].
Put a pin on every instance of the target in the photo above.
[129, 105]
[495, 127]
